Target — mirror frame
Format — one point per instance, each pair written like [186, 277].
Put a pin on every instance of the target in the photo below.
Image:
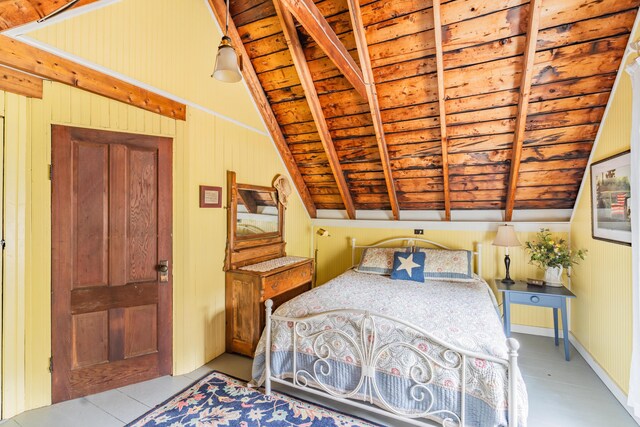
[239, 242]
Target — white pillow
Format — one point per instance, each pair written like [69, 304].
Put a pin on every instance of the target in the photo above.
[378, 260]
[447, 265]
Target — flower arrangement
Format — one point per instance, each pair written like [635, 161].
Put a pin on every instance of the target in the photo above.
[547, 252]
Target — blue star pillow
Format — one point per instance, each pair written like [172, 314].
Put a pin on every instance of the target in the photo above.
[408, 266]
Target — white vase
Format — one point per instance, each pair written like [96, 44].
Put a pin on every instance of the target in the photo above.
[553, 276]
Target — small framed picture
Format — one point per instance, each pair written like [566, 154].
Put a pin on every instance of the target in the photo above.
[210, 197]
[611, 202]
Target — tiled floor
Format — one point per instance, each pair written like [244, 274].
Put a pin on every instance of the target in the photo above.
[561, 394]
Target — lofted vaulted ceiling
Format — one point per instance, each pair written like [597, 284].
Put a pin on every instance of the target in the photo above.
[424, 104]
[433, 105]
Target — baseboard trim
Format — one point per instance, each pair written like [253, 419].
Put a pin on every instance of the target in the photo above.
[535, 330]
[600, 372]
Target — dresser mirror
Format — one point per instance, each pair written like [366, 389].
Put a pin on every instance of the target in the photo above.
[255, 223]
[257, 212]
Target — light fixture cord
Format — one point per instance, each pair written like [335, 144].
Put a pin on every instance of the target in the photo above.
[226, 22]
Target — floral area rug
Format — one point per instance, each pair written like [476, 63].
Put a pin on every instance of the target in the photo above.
[219, 400]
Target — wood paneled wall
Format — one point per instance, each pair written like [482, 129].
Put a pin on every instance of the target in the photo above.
[602, 314]
[169, 45]
[124, 38]
[204, 148]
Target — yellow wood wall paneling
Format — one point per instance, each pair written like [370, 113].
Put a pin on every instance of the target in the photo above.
[1, 234]
[125, 38]
[17, 185]
[601, 318]
[204, 148]
[149, 40]
[334, 257]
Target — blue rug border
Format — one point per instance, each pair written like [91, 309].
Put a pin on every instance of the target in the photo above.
[260, 389]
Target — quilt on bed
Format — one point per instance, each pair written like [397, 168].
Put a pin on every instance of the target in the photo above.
[460, 314]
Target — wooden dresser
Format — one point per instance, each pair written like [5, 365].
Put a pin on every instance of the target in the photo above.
[256, 265]
[246, 292]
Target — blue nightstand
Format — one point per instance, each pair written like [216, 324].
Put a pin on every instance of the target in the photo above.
[541, 296]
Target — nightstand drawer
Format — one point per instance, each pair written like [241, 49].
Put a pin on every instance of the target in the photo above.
[531, 299]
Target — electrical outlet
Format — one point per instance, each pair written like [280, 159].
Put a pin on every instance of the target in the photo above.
[418, 231]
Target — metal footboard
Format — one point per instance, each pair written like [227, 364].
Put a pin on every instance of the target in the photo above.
[423, 363]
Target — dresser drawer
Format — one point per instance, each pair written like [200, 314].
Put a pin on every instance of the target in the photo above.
[540, 300]
[286, 280]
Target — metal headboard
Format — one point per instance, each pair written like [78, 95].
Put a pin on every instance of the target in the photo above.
[413, 242]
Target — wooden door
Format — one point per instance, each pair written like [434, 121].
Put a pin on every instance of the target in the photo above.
[111, 228]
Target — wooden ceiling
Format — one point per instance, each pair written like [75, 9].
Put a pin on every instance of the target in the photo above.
[432, 105]
[424, 104]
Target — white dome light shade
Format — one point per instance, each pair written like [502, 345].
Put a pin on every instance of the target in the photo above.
[226, 69]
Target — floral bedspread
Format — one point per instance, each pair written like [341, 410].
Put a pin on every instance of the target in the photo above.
[462, 314]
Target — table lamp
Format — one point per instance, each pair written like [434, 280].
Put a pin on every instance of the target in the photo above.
[507, 238]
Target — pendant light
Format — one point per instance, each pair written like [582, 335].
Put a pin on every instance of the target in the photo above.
[226, 69]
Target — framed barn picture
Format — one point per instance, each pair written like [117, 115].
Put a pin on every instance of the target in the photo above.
[611, 202]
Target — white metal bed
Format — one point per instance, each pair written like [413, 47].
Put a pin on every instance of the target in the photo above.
[369, 351]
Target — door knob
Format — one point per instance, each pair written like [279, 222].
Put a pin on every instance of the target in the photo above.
[163, 269]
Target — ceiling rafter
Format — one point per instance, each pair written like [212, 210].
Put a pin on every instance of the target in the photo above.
[442, 107]
[20, 83]
[29, 59]
[302, 68]
[219, 10]
[523, 104]
[308, 14]
[372, 97]
[14, 13]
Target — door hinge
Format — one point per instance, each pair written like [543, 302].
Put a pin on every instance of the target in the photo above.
[51, 364]
[50, 172]
[3, 244]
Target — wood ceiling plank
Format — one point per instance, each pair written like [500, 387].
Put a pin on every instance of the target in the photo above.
[554, 14]
[291, 35]
[413, 46]
[251, 79]
[543, 92]
[481, 143]
[23, 57]
[14, 13]
[486, 28]
[523, 103]
[442, 107]
[307, 13]
[382, 10]
[543, 178]
[564, 135]
[20, 83]
[372, 97]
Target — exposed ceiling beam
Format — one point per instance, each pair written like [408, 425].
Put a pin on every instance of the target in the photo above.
[523, 104]
[20, 83]
[251, 79]
[246, 198]
[302, 68]
[372, 97]
[14, 13]
[23, 57]
[442, 107]
[308, 14]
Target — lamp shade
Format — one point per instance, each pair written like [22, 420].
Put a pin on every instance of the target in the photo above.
[226, 69]
[506, 237]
